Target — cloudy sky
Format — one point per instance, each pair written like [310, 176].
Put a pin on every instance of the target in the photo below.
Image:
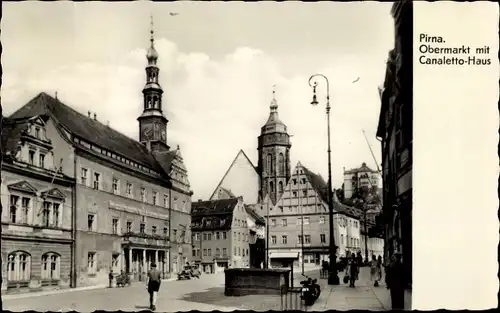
[218, 64]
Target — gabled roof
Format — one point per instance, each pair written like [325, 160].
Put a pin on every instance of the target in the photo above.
[241, 152]
[213, 214]
[258, 219]
[318, 183]
[13, 129]
[165, 159]
[88, 129]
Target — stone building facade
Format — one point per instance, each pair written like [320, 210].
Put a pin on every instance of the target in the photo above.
[132, 199]
[221, 234]
[37, 197]
[395, 129]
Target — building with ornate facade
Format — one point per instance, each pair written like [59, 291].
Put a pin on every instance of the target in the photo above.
[131, 200]
[395, 129]
[37, 197]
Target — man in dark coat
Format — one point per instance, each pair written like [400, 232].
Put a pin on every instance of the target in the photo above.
[153, 283]
[394, 280]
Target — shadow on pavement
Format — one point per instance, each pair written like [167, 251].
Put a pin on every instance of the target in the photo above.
[215, 296]
[142, 307]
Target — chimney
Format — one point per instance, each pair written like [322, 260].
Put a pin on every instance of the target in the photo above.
[88, 113]
[95, 117]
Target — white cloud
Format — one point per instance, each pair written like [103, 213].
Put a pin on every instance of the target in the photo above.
[217, 106]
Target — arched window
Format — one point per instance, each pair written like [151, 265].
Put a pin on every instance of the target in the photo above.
[18, 266]
[281, 163]
[269, 166]
[271, 186]
[155, 102]
[148, 102]
[280, 185]
[50, 266]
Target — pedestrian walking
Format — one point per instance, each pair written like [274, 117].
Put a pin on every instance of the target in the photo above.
[394, 281]
[153, 284]
[379, 268]
[374, 275]
[352, 270]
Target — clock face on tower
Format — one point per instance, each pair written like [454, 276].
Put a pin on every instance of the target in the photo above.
[147, 132]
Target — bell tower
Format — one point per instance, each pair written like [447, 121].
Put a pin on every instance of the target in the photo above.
[152, 122]
[274, 155]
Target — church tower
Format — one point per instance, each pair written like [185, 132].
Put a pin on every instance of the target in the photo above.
[152, 122]
[274, 155]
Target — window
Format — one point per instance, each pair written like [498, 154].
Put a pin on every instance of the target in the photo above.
[269, 163]
[83, 176]
[90, 222]
[295, 181]
[273, 222]
[114, 262]
[175, 234]
[175, 203]
[224, 251]
[281, 209]
[224, 235]
[299, 239]
[284, 239]
[204, 236]
[209, 236]
[14, 202]
[306, 220]
[281, 162]
[239, 237]
[209, 252]
[114, 226]
[204, 252]
[37, 132]
[194, 252]
[129, 190]
[97, 177]
[307, 239]
[322, 238]
[294, 194]
[342, 239]
[19, 266]
[283, 222]
[155, 198]
[55, 214]
[352, 242]
[129, 226]
[303, 181]
[321, 219]
[165, 201]
[91, 263]
[116, 187]
[304, 193]
[280, 186]
[143, 195]
[271, 186]
[273, 239]
[299, 220]
[25, 210]
[153, 230]
[50, 266]
[31, 157]
[217, 252]
[41, 159]
[217, 236]
[165, 233]
[142, 228]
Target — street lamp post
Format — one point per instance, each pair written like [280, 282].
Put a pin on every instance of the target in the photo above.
[333, 278]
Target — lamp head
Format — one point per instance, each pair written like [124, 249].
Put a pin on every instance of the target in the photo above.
[314, 100]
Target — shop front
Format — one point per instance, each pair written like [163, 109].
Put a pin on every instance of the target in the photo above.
[139, 253]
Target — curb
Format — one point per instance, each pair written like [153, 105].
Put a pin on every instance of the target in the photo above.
[65, 290]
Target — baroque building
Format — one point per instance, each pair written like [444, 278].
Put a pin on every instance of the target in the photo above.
[131, 200]
[37, 199]
[362, 176]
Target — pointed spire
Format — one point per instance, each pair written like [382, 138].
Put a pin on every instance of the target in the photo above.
[274, 103]
[152, 55]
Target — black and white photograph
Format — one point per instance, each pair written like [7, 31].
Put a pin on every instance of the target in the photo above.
[205, 156]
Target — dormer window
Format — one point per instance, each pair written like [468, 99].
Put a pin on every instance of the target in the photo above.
[31, 157]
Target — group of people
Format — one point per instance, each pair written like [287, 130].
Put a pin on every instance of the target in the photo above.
[393, 276]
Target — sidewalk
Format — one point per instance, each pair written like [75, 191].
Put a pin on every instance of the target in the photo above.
[364, 297]
[62, 290]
